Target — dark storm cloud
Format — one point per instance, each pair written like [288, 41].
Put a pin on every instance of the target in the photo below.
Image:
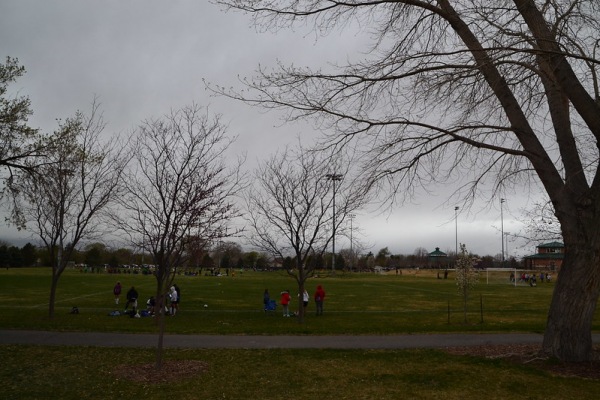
[143, 57]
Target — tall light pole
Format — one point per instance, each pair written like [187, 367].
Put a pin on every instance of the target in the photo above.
[506, 245]
[144, 213]
[351, 216]
[456, 231]
[502, 228]
[334, 178]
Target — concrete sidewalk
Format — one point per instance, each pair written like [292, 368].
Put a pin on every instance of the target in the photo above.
[96, 339]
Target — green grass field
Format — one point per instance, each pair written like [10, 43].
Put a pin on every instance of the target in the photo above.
[415, 301]
[356, 304]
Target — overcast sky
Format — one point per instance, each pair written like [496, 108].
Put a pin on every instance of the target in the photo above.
[142, 58]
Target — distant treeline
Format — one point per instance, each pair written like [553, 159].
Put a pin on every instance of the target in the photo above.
[15, 257]
[231, 255]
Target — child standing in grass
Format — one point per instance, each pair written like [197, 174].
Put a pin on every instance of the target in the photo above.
[117, 292]
[174, 300]
[305, 298]
[285, 302]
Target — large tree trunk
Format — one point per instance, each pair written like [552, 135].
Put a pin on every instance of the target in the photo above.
[52, 300]
[159, 313]
[301, 310]
[568, 334]
[301, 280]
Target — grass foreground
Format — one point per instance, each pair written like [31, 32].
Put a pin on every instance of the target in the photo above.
[355, 304]
[31, 372]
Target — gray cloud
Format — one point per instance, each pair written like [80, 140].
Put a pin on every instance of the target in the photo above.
[144, 57]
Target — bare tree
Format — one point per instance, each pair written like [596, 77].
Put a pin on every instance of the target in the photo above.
[469, 93]
[290, 209]
[541, 223]
[178, 193]
[228, 254]
[354, 235]
[64, 201]
[197, 248]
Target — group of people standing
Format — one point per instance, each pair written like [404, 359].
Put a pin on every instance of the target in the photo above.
[173, 296]
[286, 298]
[131, 296]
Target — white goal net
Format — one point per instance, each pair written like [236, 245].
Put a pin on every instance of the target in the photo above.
[516, 277]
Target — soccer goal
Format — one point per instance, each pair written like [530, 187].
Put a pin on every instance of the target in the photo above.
[516, 277]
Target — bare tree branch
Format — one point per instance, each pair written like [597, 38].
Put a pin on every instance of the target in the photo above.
[178, 192]
[290, 210]
[63, 202]
[472, 94]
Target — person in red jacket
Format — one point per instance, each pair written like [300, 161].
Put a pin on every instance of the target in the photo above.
[319, 298]
[285, 301]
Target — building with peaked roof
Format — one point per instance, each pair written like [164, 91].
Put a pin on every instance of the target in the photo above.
[549, 256]
[437, 258]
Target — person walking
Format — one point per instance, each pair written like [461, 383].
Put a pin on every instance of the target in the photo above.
[117, 292]
[285, 302]
[319, 298]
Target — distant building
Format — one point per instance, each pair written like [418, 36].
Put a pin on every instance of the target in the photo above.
[549, 256]
[437, 258]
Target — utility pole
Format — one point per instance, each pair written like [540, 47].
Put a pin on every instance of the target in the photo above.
[456, 232]
[334, 178]
[502, 228]
[351, 216]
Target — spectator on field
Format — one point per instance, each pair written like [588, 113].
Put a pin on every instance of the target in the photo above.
[174, 300]
[285, 302]
[132, 296]
[151, 305]
[305, 299]
[532, 281]
[117, 292]
[319, 299]
[178, 294]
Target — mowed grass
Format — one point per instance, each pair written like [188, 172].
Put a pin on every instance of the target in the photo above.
[413, 302]
[33, 372]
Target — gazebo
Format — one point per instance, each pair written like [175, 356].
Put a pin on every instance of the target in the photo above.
[437, 258]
